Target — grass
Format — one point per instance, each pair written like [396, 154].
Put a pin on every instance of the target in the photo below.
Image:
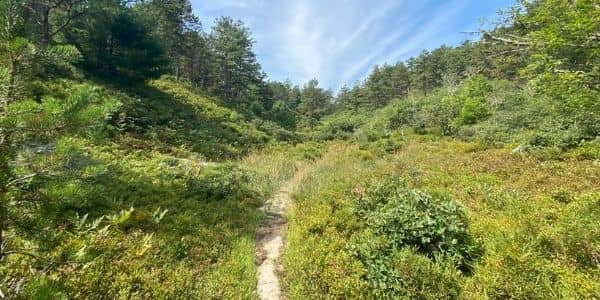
[536, 221]
[203, 247]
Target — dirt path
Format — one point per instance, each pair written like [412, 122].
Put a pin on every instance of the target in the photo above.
[269, 244]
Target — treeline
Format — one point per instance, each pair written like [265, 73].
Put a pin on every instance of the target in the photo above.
[534, 80]
[429, 71]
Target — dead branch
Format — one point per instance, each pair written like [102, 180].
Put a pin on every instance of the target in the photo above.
[488, 36]
[20, 179]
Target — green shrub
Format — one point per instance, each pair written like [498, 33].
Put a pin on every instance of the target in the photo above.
[340, 126]
[221, 183]
[434, 226]
[382, 146]
[403, 273]
[471, 98]
[282, 115]
[309, 151]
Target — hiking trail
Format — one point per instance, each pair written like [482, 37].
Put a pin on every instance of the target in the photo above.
[269, 245]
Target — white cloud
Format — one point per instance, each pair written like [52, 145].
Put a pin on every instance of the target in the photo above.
[317, 36]
[338, 41]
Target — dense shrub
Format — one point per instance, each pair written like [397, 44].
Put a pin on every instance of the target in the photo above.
[436, 227]
[472, 96]
[221, 183]
[403, 273]
[308, 151]
[339, 126]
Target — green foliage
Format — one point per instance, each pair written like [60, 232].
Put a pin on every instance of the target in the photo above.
[282, 115]
[235, 65]
[116, 41]
[313, 104]
[147, 209]
[576, 241]
[187, 216]
[107, 191]
[341, 126]
[381, 242]
[222, 183]
[177, 114]
[433, 226]
[403, 273]
[308, 151]
[472, 95]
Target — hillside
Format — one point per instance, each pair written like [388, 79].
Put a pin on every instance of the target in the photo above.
[173, 114]
[126, 179]
[144, 156]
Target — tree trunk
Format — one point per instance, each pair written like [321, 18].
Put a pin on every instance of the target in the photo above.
[177, 68]
[6, 155]
[40, 14]
[3, 220]
[6, 151]
[45, 20]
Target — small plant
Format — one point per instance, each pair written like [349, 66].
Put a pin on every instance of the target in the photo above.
[221, 183]
[562, 195]
[308, 152]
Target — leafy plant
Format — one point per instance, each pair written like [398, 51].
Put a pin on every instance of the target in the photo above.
[434, 226]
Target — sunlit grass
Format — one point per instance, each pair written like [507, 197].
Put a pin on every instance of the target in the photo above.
[537, 220]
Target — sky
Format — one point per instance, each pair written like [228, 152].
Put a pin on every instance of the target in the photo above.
[338, 42]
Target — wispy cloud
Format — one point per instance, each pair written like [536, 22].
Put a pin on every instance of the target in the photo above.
[339, 41]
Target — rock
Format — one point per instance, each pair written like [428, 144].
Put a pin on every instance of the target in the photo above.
[520, 149]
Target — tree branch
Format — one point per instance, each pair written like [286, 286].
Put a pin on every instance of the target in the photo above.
[489, 36]
[19, 252]
[20, 179]
[521, 42]
[70, 17]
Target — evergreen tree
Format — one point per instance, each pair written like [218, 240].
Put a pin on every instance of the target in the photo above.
[177, 27]
[234, 66]
[117, 41]
[315, 103]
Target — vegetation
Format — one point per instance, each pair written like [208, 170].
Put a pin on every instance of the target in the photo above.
[136, 150]
[348, 234]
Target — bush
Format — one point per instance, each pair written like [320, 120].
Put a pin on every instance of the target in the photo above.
[436, 227]
[414, 245]
[340, 126]
[404, 273]
[310, 151]
[221, 183]
[382, 146]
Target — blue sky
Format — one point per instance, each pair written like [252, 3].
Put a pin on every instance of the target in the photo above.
[340, 41]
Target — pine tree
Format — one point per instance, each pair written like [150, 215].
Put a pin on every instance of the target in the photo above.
[235, 66]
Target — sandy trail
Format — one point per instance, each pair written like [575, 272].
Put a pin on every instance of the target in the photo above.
[269, 245]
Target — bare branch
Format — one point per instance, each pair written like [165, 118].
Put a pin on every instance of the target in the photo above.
[20, 179]
[521, 43]
[70, 18]
[18, 252]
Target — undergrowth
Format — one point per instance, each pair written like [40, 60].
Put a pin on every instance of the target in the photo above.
[439, 218]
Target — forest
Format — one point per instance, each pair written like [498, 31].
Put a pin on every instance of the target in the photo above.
[145, 156]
